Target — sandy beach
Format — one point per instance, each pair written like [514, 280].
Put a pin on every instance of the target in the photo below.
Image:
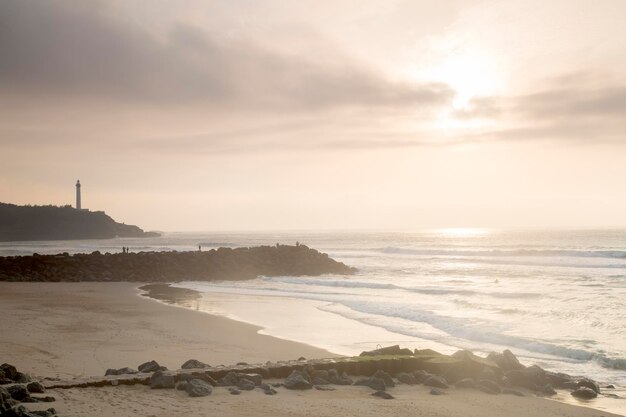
[70, 330]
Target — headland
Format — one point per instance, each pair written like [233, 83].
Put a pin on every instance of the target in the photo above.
[31, 223]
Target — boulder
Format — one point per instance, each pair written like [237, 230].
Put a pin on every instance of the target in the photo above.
[22, 378]
[267, 389]
[383, 394]
[18, 392]
[374, 383]
[585, 393]
[389, 350]
[588, 383]
[385, 377]
[334, 378]
[298, 380]
[151, 366]
[421, 375]
[506, 360]
[35, 387]
[182, 385]
[160, 380]
[436, 381]
[245, 384]
[194, 364]
[198, 388]
[10, 372]
[120, 371]
[530, 377]
[406, 378]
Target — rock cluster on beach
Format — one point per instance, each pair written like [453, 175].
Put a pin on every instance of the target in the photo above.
[215, 264]
[16, 388]
[380, 370]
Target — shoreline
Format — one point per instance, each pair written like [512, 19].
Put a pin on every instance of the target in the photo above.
[77, 329]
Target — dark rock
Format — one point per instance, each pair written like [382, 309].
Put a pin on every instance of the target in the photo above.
[560, 380]
[383, 394]
[376, 384]
[385, 377]
[389, 350]
[319, 373]
[588, 383]
[420, 376]
[301, 358]
[35, 387]
[488, 374]
[46, 399]
[5, 381]
[159, 380]
[198, 388]
[513, 392]
[43, 413]
[319, 381]
[257, 379]
[334, 378]
[242, 363]
[436, 381]
[18, 411]
[528, 377]
[182, 385]
[22, 378]
[406, 378]
[230, 379]
[488, 386]
[436, 391]
[585, 393]
[245, 384]
[506, 360]
[10, 372]
[610, 386]
[298, 380]
[18, 392]
[234, 391]
[267, 389]
[465, 383]
[194, 364]
[325, 388]
[151, 366]
[120, 371]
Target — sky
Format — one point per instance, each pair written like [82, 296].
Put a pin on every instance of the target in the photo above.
[317, 115]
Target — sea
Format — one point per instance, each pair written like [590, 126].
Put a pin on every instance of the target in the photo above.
[556, 298]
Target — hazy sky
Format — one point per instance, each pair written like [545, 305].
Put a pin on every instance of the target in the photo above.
[309, 114]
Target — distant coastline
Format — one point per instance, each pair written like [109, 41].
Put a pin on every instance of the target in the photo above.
[33, 223]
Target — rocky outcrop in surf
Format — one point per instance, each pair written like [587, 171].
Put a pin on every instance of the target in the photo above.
[215, 264]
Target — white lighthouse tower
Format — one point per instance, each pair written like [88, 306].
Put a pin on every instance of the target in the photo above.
[78, 206]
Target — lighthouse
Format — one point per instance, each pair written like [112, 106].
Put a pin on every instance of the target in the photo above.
[78, 207]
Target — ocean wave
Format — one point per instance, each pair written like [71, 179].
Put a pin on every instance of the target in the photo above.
[613, 254]
[461, 329]
[383, 286]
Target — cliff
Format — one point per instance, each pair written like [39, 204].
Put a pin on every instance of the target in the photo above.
[61, 223]
[220, 264]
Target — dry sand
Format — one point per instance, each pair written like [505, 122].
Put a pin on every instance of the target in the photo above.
[75, 329]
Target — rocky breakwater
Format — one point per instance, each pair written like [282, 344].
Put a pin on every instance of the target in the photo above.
[380, 371]
[215, 264]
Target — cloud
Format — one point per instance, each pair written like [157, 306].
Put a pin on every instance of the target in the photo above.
[66, 49]
[578, 107]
